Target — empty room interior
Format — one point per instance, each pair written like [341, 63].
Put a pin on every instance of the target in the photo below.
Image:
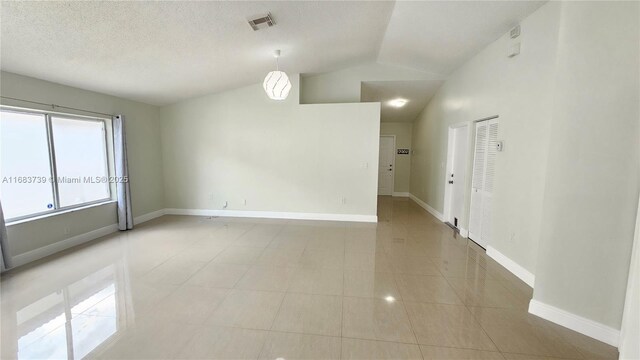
[320, 180]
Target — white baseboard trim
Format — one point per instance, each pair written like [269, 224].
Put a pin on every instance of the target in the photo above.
[425, 206]
[517, 270]
[575, 322]
[274, 215]
[148, 216]
[464, 232]
[51, 249]
[400, 194]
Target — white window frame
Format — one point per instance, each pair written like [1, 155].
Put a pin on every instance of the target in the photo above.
[52, 159]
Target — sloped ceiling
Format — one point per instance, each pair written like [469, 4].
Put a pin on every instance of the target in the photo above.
[439, 36]
[163, 52]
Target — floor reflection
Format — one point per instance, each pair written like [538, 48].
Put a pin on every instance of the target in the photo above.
[69, 322]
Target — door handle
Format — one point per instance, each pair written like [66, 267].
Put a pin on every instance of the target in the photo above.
[450, 181]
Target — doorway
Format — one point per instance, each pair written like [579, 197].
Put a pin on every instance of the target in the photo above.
[482, 183]
[386, 164]
[457, 154]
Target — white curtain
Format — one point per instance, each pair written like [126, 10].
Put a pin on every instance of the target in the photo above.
[4, 249]
[125, 216]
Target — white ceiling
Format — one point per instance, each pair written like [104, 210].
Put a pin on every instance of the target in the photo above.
[418, 94]
[439, 36]
[162, 52]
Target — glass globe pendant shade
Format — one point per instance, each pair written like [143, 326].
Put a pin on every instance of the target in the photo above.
[277, 85]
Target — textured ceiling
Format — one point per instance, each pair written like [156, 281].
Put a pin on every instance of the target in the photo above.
[163, 52]
[418, 94]
[439, 36]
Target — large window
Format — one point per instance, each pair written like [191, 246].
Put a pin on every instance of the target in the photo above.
[51, 162]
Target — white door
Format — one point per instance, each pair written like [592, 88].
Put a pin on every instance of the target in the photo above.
[457, 174]
[386, 165]
[484, 164]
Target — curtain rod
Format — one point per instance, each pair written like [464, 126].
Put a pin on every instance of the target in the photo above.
[54, 106]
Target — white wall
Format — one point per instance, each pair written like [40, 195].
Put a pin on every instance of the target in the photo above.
[567, 182]
[344, 86]
[519, 91]
[592, 180]
[145, 161]
[402, 131]
[278, 156]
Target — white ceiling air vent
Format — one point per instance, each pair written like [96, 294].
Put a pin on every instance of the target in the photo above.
[256, 22]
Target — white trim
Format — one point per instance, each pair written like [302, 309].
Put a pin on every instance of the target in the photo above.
[148, 216]
[517, 270]
[575, 322]
[400, 194]
[58, 246]
[464, 232]
[425, 206]
[273, 215]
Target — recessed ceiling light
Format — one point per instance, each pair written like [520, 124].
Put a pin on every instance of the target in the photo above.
[398, 102]
[390, 299]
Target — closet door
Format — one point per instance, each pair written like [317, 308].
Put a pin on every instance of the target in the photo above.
[479, 157]
[482, 186]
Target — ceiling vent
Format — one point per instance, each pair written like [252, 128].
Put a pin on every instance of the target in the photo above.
[257, 23]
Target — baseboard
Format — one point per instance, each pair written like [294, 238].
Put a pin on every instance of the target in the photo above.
[400, 194]
[425, 206]
[148, 216]
[274, 215]
[51, 249]
[575, 322]
[58, 246]
[464, 232]
[517, 270]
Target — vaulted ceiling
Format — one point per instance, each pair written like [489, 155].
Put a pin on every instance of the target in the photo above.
[163, 52]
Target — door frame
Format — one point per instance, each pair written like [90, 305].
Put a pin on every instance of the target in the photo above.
[448, 194]
[393, 163]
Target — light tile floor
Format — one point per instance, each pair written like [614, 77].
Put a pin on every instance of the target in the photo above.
[221, 288]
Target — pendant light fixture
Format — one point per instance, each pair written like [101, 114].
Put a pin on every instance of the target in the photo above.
[277, 84]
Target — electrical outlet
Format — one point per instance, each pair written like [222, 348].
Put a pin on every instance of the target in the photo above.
[244, 202]
[343, 200]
